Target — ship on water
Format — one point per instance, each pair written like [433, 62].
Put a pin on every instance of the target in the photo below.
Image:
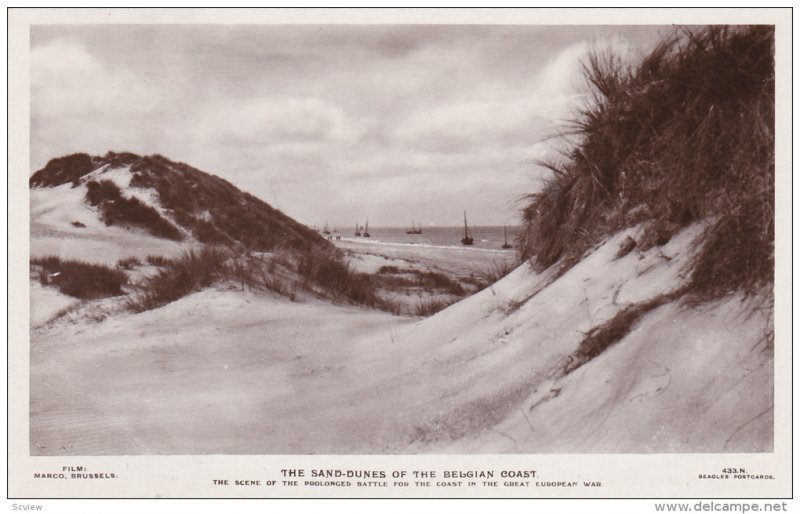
[467, 239]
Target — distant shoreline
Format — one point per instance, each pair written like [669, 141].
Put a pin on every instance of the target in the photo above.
[456, 261]
[375, 241]
[405, 227]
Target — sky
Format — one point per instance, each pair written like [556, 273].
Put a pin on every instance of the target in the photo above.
[329, 123]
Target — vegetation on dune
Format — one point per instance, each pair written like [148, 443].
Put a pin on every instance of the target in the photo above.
[213, 210]
[157, 260]
[284, 273]
[287, 272]
[119, 210]
[685, 135]
[62, 170]
[329, 271]
[217, 212]
[179, 277]
[101, 191]
[245, 240]
[493, 273]
[430, 306]
[128, 263]
[600, 338]
[79, 279]
[238, 231]
[393, 277]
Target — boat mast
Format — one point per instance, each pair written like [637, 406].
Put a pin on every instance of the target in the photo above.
[467, 239]
[505, 246]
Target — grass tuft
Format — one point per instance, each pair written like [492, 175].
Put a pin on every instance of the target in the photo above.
[191, 272]
[431, 306]
[128, 263]
[61, 170]
[493, 273]
[331, 272]
[612, 331]
[79, 279]
[157, 260]
[686, 134]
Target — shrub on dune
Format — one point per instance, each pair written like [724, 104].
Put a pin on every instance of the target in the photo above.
[80, 279]
[191, 272]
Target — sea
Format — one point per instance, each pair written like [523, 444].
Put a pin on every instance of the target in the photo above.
[485, 238]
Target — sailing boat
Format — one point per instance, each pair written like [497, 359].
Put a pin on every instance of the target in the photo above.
[326, 230]
[358, 230]
[414, 229]
[505, 246]
[467, 239]
[366, 228]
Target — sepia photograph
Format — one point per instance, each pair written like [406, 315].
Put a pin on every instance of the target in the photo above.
[346, 239]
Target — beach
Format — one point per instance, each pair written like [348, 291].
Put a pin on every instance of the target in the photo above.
[421, 279]
[367, 254]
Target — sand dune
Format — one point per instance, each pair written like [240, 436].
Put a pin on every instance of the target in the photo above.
[232, 372]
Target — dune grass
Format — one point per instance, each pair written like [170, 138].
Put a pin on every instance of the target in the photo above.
[283, 272]
[157, 260]
[61, 170]
[686, 134]
[119, 210]
[429, 307]
[191, 272]
[80, 279]
[392, 277]
[329, 271]
[129, 263]
[600, 338]
[216, 212]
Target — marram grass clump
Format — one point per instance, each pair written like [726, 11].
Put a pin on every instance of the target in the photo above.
[687, 134]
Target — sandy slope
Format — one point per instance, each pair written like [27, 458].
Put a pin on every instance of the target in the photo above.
[46, 302]
[223, 371]
[217, 372]
[54, 209]
[688, 380]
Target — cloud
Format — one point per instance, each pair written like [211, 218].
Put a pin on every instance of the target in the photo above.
[271, 121]
[562, 84]
[66, 79]
[320, 120]
[461, 126]
[79, 104]
[559, 90]
[507, 114]
[61, 61]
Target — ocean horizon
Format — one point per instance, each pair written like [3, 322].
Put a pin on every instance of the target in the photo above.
[485, 237]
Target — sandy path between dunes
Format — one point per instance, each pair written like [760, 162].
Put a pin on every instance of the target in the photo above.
[219, 372]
